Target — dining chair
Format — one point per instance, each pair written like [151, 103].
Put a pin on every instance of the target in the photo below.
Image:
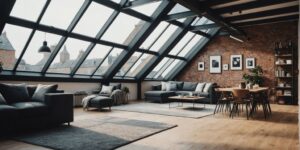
[224, 102]
[240, 98]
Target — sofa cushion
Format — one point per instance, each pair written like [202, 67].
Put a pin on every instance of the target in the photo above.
[184, 93]
[14, 92]
[41, 90]
[2, 100]
[158, 93]
[207, 87]
[202, 94]
[156, 87]
[104, 94]
[189, 86]
[31, 109]
[116, 86]
[179, 84]
[31, 89]
[8, 112]
[171, 87]
[200, 87]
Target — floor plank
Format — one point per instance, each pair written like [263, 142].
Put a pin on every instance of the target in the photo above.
[209, 133]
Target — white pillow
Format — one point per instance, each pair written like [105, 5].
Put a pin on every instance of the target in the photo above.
[207, 86]
[200, 87]
[107, 89]
[164, 86]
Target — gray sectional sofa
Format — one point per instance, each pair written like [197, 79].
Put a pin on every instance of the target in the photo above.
[23, 106]
[161, 92]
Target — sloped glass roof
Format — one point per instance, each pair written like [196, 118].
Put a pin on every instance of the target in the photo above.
[91, 37]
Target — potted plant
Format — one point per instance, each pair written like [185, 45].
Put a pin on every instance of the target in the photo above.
[1, 66]
[255, 76]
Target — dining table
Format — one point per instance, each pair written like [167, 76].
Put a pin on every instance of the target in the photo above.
[258, 94]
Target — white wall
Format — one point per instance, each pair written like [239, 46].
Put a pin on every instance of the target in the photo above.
[146, 86]
[71, 87]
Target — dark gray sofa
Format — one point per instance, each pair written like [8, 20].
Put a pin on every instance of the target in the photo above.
[156, 94]
[22, 108]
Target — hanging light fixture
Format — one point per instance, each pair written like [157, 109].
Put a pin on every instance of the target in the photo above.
[44, 48]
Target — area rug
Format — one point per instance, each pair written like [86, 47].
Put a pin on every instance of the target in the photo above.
[90, 134]
[186, 110]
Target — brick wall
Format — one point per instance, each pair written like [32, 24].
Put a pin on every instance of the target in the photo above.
[7, 57]
[260, 46]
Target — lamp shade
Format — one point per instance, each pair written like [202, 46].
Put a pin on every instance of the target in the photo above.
[44, 48]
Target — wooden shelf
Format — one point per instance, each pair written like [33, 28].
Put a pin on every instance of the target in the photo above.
[284, 64]
[284, 95]
[285, 77]
[283, 55]
[283, 87]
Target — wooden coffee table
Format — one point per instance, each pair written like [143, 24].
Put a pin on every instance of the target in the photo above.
[182, 99]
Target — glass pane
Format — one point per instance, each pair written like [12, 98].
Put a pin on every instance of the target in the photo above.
[147, 9]
[191, 44]
[179, 46]
[123, 29]
[93, 19]
[154, 35]
[33, 60]
[130, 62]
[68, 56]
[61, 13]
[12, 42]
[116, 1]
[163, 39]
[181, 20]
[170, 68]
[178, 9]
[199, 21]
[94, 59]
[28, 9]
[157, 68]
[110, 59]
[164, 67]
[139, 65]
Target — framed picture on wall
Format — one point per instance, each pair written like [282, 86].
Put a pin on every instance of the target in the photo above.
[225, 66]
[250, 63]
[215, 64]
[200, 66]
[236, 62]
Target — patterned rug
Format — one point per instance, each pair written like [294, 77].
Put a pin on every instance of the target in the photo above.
[177, 109]
[90, 134]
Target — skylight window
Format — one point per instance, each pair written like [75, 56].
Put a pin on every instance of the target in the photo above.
[60, 13]
[182, 43]
[110, 59]
[147, 9]
[13, 40]
[28, 9]
[130, 62]
[154, 35]
[200, 21]
[157, 68]
[190, 45]
[93, 19]
[171, 67]
[34, 61]
[94, 59]
[139, 65]
[164, 38]
[178, 9]
[68, 56]
[123, 29]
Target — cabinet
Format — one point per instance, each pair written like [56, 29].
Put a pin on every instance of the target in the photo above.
[286, 75]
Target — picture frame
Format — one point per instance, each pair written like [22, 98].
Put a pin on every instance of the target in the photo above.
[215, 64]
[225, 67]
[250, 63]
[236, 62]
[201, 66]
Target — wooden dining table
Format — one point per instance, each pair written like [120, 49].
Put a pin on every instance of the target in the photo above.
[256, 93]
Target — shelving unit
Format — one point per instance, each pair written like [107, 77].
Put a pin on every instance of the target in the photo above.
[286, 74]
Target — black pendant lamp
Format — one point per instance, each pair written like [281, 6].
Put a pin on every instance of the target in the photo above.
[44, 48]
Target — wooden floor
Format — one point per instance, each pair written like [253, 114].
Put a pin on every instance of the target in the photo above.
[219, 132]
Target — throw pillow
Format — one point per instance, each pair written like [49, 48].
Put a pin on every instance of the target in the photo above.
[163, 86]
[31, 89]
[2, 99]
[116, 86]
[171, 87]
[207, 87]
[189, 86]
[106, 89]
[41, 90]
[179, 84]
[13, 93]
[200, 87]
